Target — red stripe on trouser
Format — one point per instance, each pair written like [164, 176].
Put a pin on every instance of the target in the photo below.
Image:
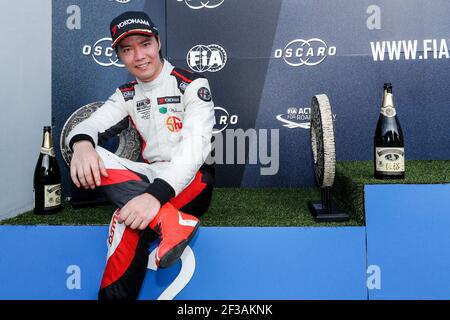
[122, 257]
[191, 191]
[118, 176]
[119, 262]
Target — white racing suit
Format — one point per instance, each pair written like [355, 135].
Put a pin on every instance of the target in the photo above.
[174, 116]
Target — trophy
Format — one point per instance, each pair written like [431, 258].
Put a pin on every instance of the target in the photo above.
[324, 154]
[128, 146]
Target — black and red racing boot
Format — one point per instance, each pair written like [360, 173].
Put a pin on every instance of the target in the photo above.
[176, 229]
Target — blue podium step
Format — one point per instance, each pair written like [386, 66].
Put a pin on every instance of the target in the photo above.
[56, 262]
[402, 253]
[408, 238]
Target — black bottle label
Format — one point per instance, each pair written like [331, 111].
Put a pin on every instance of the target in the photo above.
[390, 159]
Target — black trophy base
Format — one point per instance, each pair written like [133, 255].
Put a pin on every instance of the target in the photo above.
[76, 203]
[85, 198]
[321, 213]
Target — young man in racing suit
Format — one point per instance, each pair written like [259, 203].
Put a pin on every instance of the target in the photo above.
[173, 113]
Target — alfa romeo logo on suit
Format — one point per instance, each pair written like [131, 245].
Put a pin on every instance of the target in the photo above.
[102, 53]
[204, 94]
[202, 58]
[200, 4]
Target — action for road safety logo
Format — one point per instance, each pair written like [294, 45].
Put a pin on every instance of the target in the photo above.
[174, 124]
[297, 118]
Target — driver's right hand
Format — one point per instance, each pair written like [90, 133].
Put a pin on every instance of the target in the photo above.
[86, 165]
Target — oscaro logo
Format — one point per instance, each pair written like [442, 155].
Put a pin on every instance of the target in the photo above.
[201, 58]
[301, 52]
[102, 53]
[222, 119]
[121, 1]
[199, 4]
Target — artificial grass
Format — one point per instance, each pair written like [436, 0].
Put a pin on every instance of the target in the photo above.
[351, 176]
[270, 207]
[229, 207]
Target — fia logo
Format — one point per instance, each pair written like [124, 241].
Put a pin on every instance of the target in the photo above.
[202, 58]
[200, 4]
[301, 52]
[102, 53]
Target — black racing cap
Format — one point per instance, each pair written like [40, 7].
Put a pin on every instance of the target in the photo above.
[131, 22]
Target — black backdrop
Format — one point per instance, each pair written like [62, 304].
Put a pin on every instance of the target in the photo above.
[265, 60]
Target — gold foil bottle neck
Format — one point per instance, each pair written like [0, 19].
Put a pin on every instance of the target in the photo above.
[47, 143]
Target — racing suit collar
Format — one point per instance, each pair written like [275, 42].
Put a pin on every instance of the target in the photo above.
[165, 71]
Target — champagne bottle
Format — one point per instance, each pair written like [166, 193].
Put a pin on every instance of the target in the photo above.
[47, 178]
[389, 147]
